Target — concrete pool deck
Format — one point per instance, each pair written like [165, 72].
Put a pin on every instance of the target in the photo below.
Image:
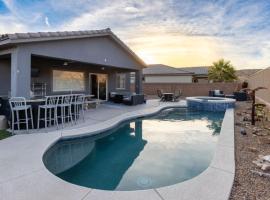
[24, 176]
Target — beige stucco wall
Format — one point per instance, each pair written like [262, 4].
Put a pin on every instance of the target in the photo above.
[261, 79]
[190, 89]
[168, 79]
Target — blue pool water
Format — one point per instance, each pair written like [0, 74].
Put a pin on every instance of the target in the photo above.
[170, 147]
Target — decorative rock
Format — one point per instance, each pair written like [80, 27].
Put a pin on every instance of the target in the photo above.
[258, 163]
[252, 149]
[265, 140]
[258, 131]
[243, 131]
[245, 119]
[248, 124]
[263, 162]
[238, 124]
[266, 167]
[266, 158]
[239, 114]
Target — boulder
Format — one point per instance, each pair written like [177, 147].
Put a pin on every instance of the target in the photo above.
[266, 158]
[3, 122]
[263, 162]
[266, 167]
[243, 131]
[252, 149]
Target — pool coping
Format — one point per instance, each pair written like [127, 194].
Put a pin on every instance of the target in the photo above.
[211, 99]
[214, 183]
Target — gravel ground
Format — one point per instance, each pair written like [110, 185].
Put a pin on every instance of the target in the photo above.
[248, 186]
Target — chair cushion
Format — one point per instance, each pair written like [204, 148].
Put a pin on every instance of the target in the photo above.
[127, 98]
[217, 92]
[112, 94]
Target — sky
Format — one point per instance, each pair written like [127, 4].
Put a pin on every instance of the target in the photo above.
[179, 33]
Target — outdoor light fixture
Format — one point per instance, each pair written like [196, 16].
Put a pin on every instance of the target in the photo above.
[103, 68]
[65, 63]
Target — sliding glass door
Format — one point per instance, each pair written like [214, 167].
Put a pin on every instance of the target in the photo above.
[99, 85]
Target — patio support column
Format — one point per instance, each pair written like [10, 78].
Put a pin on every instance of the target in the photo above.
[138, 82]
[20, 73]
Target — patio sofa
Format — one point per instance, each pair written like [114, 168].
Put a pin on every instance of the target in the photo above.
[240, 96]
[127, 98]
[134, 99]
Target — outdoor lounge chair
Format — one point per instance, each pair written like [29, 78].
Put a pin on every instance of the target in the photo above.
[160, 95]
[177, 94]
[216, 93]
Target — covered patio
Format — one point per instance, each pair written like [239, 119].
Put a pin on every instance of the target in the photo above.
[93, 64]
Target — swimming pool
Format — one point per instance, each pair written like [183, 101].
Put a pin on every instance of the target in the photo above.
[170, 147]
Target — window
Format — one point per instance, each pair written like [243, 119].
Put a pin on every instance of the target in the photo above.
[68, 81]
[120, 81]
[132, 77]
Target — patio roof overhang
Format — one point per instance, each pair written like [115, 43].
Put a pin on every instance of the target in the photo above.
[57, 63]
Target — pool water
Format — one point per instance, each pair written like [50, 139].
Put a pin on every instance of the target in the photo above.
[168, 148]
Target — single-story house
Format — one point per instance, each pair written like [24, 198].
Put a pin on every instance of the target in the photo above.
[200, 74]
[46, 63]
[165, 74]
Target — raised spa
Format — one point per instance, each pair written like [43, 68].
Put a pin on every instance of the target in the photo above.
[168, 148]
[210, 103]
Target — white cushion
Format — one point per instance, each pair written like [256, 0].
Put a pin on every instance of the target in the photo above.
[217, 92]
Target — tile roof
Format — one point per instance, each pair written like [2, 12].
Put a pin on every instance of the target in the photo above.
[163, 69]
[16, 38]
[51, 35]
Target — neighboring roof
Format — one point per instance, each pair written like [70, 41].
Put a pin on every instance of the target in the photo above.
[17, 38]
[246, 72]
[159, 69]
[203, 70]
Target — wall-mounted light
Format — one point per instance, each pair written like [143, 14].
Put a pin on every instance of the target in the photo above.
[65, 63]
[105, 59]
[102, 68]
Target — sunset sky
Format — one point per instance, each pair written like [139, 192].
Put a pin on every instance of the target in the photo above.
[173, 32]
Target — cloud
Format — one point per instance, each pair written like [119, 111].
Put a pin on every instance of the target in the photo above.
[131, 9]
[9, 24]
[46, 20]
[174, 32]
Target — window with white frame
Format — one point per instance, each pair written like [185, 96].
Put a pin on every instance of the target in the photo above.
[121, 81]
[68, 81]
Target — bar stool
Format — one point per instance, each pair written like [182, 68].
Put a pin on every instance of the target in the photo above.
[18, 104]
[78, 103]
[65, 102]
[50, 108]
